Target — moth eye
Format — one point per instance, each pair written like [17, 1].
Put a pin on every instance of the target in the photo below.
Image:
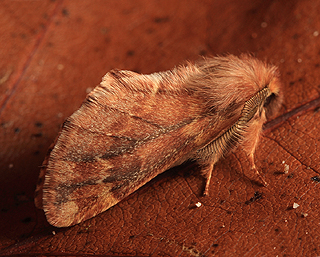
[269, 99]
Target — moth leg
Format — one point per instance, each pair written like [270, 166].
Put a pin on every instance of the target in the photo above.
[253, 167]
[207, 173]
[252, 139]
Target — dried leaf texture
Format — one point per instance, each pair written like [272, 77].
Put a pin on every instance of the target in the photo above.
[133, 127]
[56, 51]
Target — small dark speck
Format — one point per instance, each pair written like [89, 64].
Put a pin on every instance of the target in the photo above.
[16, 130]
[316, 179]
[130, 53]
[161, 19]
[290, 175]
[150, 30]
[26, 220]
[4, 210]
[38, 124]
[36, 152]
[132, 236]
[257, 196]
[65, 12]
[278, 172]
[317, 109]
[295, 36]
[289, 208]
[37, 135]
[215, 245]
[202, 52]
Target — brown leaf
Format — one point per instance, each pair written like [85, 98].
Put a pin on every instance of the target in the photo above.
[54, 52]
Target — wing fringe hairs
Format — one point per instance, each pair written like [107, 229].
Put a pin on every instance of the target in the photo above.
[133, 127]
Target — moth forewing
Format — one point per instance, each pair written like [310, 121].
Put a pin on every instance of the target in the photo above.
[133, 127]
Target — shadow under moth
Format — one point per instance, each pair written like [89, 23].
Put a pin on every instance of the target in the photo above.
[133, 127]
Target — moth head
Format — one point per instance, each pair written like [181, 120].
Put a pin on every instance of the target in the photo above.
[227, 82]
[262, 75]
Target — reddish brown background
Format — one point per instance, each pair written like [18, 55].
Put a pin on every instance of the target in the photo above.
[53, 52]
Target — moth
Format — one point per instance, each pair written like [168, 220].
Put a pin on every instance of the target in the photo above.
[133, 127]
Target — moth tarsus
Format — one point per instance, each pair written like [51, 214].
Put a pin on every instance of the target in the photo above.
[207, 171]
[254, 168]
[133, 127]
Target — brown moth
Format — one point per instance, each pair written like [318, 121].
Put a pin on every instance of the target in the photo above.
[133, 127]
